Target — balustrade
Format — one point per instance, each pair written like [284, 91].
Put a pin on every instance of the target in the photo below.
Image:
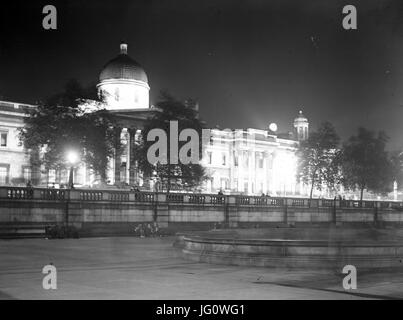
[27, 193]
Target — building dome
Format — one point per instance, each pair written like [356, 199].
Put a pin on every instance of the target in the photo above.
[123, 67]
[123, 83]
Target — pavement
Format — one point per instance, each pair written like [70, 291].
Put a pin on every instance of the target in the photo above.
[150, 268]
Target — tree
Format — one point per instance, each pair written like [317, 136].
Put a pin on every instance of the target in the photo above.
[318, 158]
[170, 109]
[396, 158]
[366, 165]
[72, 120]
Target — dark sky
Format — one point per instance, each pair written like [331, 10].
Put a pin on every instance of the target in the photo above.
[248, 63]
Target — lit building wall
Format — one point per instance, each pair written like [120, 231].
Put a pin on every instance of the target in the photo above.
[14, 162]
[250, 162]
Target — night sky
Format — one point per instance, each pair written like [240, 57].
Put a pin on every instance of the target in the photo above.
[248, 63]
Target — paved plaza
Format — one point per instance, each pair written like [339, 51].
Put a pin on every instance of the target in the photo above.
[149, 268]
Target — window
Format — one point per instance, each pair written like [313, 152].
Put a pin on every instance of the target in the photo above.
[259, 160]
[224, 160]
[300, 132]
[245, 186]
[4, 172]
[26, 173]
[52, 176]
[117, 94]
[209, 157]
[235, 160]
[245, 159]
[209, 185]
[224, 183]
[271, 162]
[3, 139]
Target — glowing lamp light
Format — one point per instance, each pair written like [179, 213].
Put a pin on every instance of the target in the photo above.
[273, 127]
[72, 157]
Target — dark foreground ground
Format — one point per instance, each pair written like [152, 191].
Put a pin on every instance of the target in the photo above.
[149, 268]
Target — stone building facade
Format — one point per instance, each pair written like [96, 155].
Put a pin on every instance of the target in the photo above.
[250, 161]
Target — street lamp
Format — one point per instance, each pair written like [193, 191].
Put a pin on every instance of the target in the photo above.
[72, 158]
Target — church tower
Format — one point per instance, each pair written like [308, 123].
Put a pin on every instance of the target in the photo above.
[301, 127]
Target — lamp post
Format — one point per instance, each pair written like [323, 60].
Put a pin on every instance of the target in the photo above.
[72, 158]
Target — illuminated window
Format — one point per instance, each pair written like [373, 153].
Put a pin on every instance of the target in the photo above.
[4, 172]
[245, 158]
[52, 175]
[259, 160]
[26, 173]
[271, 162]
[3, 139]
[224, 183]
[245, 186]
[209, 157]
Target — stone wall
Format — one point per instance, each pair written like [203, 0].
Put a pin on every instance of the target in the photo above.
[118, 212]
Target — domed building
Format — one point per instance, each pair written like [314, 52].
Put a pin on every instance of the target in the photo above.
[248, 161]
[124, 83]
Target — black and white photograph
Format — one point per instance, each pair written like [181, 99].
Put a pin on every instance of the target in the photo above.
[201, 154]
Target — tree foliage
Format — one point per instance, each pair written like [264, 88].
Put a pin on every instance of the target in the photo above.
[71, 120]
[318, 158]
[185, 175]
[396, 158]
[366, 164]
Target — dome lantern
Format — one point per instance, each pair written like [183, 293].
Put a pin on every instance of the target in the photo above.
[123, 48]
[301, 127]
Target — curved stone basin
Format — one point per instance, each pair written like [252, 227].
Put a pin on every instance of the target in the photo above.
[296, 248]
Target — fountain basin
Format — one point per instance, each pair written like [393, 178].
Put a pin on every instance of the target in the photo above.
[295, 248]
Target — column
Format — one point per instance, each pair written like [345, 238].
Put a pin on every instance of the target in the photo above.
[128, 160]
[131, 162]
[251, 163]
[118, 151]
